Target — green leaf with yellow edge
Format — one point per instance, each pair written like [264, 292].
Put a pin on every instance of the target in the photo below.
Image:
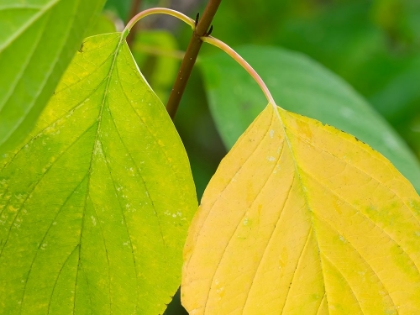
[301, 218]
[95, 205]
[38, 39]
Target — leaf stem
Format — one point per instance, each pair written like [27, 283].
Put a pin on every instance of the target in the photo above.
[191, 56]
[227, 49]
[152, 11]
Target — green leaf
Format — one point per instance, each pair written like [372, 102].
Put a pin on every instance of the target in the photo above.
[302, 86]
[398, 100]
[37, 41]
[103, 25]
[120, 7]
[95, 205]
[410, 130]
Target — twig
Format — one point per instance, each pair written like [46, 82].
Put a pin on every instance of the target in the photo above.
[191, 56]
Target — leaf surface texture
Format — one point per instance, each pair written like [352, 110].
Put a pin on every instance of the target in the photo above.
[301, 218]
[37, 41]
[95, 205]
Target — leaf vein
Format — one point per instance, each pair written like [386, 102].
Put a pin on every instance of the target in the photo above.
[42, 241]
[97, 68]
[384, 232]
[305, 196]
[37, 183]
[144, 122]
[26, 25]
[270, 238]
[41, 132]
[345, 279]
[106, 253]
[27, 62]
[126, 226]
[362, 171]
[237, 227]
[58, 276]
[46, 77]
[320, 304]
[132, 159]
[308, 237]
[96, 143]
[231, 180]
[360, 255]
[18, 6]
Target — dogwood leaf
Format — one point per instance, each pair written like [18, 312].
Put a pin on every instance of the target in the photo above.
[301, 218]
[95, 205]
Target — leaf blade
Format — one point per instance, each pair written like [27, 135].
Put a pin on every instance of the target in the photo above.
[282, 241]
[108, 234]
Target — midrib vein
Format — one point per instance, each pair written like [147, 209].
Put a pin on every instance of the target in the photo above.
[28, 23]
[97, 144]
[299, 177]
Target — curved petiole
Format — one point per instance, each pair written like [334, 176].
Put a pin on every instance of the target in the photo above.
[153, 11]
[227, 49]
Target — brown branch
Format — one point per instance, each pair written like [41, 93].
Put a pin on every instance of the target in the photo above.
[191, 56]
[135, 5]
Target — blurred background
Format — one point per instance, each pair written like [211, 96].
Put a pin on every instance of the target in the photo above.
[374, 45]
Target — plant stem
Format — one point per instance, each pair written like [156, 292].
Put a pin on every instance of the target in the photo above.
[191, 56]
[135, 5]
[227, 49]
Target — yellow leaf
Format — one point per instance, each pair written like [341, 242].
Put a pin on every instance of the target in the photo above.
[301, 218]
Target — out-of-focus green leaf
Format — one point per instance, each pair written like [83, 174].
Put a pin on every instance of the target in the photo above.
[157, 55]
[103, 25]
[398, 100]
[299, 85]
[399, 103]
[120, 7]
[343, 35]
[37, 41]
[343, 39]
[411, 132]
[95, 206]
[399, 18]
